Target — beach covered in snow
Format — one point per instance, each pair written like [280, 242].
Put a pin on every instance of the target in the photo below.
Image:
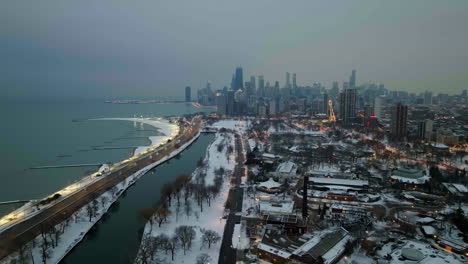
[166, 129]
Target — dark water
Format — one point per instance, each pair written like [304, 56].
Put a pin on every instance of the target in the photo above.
[37, 133]
[116, 239]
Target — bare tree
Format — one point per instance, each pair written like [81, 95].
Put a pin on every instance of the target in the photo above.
[210, 237]
[203, 259]
[114, 190]
[148, 249]
[45, 252]
[163, 240]
[167, 191]
[103, 201]
[24, 251]
[56, 233]
[147, 214]
[161, 214]
[188, 208]
[171, 244]
[180, 182]
[95, 205]
[177, 213]
[89, 211]
[186, 235]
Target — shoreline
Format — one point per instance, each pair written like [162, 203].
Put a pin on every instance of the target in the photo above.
[68, 190]
[162, 125]
[81, 233]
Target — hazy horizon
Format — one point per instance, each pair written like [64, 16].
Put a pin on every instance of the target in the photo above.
[155, 48]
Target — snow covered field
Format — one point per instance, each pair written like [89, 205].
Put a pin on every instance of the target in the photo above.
[73, 230]
[211, 216]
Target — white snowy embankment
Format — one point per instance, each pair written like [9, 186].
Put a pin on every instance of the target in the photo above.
[211, 217]
[30, 209]
[79, 224]
[168, 130]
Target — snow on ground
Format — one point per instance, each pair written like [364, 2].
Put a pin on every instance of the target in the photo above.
[79, 224]
[430, 255]
[239, 237]
[168, 131]
[238, 125]
[210, 218]
[250, 204]
[357, 257]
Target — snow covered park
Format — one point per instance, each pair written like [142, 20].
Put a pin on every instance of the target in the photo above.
[189, 225]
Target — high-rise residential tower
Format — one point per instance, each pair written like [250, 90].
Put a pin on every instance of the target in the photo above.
[399, 121]
[425, 129]
[378, 106]
[347, 106]
[352, 79]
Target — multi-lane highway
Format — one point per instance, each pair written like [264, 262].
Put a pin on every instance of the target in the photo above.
[26, 230]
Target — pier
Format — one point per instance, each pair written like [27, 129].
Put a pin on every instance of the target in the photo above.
[14, 202]
[66, 166]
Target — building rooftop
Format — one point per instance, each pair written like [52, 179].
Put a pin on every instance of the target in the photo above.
[333, 181]
[286, 167]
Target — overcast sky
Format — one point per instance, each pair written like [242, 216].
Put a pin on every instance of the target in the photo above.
[123, 48]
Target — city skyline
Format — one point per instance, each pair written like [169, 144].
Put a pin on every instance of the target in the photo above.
[144, 50]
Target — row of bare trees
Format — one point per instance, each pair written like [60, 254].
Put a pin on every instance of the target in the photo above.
[182, 238]
[180, 196]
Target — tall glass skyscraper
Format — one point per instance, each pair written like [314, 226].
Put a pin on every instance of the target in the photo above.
[238, 79]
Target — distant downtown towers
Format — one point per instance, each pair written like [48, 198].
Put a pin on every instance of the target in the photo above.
[188, 94]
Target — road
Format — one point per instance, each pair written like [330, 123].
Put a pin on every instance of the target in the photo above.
[227, 254]
[26, 230]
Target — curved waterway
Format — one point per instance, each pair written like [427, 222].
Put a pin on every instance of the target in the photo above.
[115, 239]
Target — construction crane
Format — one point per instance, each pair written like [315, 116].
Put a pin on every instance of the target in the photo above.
[331, 113]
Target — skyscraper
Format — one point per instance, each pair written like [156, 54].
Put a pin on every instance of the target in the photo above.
[399, 121]
[346, 85]
[251, 87]
[294, 81]
[352, 79]
[425, 130]
[261, 86]
[427, 97]
[378, 106]
[239, 79]
[368, 110]
[325, 103]
[347, 106]
[230, 103]
[288, 80]
[252, 83]
[188, 94]
[221, 102]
